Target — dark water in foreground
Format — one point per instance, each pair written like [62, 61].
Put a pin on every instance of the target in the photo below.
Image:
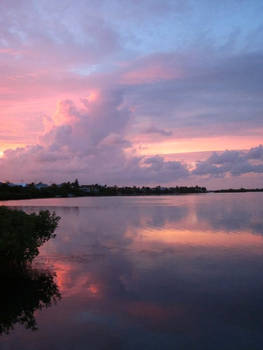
[175, 272]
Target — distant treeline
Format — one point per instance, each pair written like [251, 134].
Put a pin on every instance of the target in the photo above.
[10, 191]
[239, 190]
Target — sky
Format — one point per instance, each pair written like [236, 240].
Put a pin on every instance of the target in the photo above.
[134, 92]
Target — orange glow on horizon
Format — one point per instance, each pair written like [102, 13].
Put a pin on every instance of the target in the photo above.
[206, 144]
[10, 146]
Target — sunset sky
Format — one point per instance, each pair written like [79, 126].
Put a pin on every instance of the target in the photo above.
[132, 92]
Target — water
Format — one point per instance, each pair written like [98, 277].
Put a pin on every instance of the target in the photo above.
[171, 272]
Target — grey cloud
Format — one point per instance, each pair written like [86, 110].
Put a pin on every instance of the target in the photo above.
[155, 130]
[233, 162]
[255, 153]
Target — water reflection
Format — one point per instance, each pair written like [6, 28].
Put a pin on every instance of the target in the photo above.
[154, 273]
[23, 291]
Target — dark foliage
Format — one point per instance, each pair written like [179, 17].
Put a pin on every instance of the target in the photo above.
[21, 234]
[23, 291]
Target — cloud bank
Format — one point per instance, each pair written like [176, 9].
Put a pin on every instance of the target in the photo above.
[89, 142]
[232, 162]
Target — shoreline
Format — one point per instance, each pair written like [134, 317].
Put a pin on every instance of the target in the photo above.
[132, 195]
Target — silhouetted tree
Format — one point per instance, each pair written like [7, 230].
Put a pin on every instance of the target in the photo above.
[76, 183]
[21, 234]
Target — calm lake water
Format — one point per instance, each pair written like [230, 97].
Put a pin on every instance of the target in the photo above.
[170, 272]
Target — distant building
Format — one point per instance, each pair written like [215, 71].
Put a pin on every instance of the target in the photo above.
[39, 186]
[21, 184]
